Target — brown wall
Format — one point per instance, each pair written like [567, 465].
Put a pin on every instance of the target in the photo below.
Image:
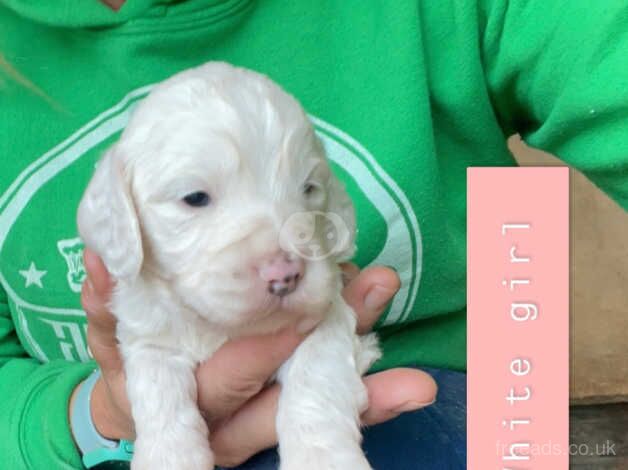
[599, 287]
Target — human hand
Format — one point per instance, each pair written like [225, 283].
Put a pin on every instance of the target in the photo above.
[240, 410]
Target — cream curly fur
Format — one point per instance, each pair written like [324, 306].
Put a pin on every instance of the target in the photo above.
[188, 277]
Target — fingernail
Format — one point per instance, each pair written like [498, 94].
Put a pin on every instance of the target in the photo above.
[412, 406]
[392, 268]
[378, 297]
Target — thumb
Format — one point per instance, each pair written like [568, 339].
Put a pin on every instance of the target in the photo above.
[101, 324]
[240, 369]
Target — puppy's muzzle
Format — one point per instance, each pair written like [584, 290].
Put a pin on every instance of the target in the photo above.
[282, 272]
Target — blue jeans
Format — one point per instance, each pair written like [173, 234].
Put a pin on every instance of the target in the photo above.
[433, 438]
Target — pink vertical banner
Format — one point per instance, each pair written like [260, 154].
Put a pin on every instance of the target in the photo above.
[518, 318]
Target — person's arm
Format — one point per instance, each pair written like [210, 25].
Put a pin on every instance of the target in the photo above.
[34, 430]
[557, 72]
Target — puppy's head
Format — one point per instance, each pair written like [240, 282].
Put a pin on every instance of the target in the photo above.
[219, 187]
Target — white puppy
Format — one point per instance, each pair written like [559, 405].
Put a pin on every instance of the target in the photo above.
[218, 215]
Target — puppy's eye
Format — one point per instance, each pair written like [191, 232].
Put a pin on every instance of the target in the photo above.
[197, 199]
[310, 188]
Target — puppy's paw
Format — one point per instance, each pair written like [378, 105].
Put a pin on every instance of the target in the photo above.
[328, 459]
[172, 456]
[368, 352]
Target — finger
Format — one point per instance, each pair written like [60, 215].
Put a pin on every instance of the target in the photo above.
[396, 391]
[248, 431]
[95, 307]
[97, 273]
[240, 369]
[101, 329]
[369, 294]
[101, 333]
[252, 428]
[96, 291]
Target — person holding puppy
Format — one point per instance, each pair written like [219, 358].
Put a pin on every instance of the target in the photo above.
[404, 99]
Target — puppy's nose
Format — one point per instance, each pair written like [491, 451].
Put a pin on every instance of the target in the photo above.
[282, 272]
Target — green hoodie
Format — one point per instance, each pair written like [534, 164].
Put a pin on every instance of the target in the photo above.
[405, 96]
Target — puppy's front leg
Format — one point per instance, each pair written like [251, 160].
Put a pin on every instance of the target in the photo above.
[321, 399]
[171, 433]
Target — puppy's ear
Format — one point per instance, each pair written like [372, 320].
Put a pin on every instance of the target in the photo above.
[107, 221]
[340, 204]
